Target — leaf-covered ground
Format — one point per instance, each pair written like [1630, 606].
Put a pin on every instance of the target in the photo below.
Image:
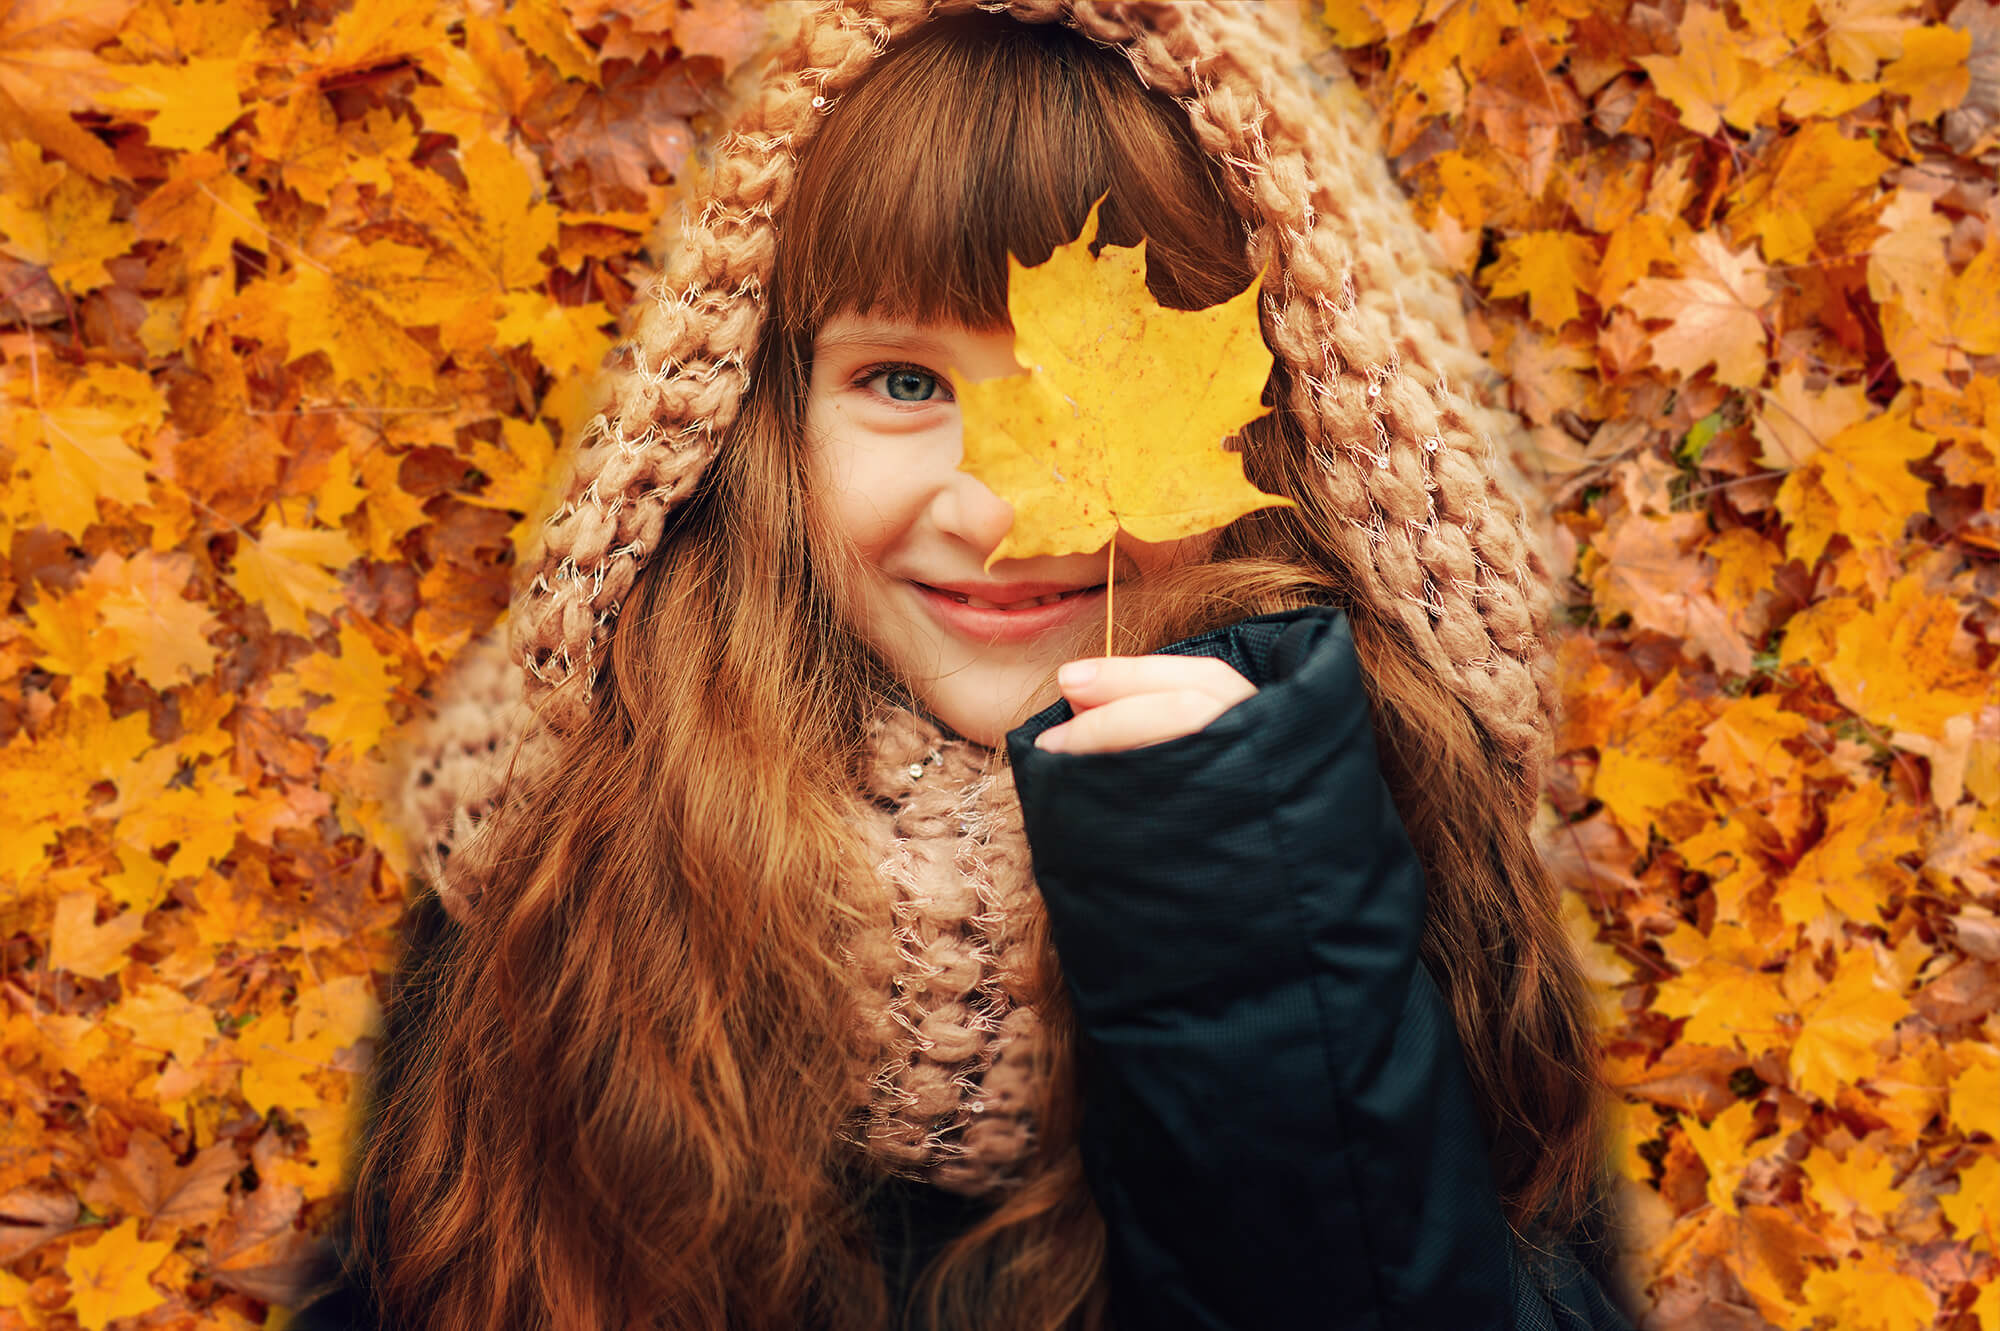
[295, 301]
[1743, 264]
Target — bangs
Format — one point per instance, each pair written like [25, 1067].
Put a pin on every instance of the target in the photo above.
[981, 137]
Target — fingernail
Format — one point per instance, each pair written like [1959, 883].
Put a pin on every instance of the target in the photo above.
[1051, 741]
[1074, 674]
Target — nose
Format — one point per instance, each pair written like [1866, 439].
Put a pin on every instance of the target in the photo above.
[964, 508]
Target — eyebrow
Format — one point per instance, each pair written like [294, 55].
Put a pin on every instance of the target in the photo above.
[885, 336]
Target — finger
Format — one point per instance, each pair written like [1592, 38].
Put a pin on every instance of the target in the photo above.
[1095, 681]
[1134, 722]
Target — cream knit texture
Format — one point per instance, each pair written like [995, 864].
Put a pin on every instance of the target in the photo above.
[944, 989]
[1385, 381]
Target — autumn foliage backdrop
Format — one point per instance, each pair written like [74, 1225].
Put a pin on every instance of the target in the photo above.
[295, 302]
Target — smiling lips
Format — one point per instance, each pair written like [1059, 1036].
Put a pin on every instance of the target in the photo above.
[1015, 596]
[1010, 614]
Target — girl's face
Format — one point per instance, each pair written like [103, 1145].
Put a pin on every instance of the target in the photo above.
[973, 646]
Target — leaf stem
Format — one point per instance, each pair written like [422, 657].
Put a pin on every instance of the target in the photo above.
[1110, 584]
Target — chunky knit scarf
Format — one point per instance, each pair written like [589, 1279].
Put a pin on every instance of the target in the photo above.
[942, 990]
[940, 986]
[1385, 382]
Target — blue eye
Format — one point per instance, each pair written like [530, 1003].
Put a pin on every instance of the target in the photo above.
[907, 383]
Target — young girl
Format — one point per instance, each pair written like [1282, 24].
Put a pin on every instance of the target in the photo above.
[811, 951]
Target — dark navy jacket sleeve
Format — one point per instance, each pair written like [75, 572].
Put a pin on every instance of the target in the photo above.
[1279, 1128]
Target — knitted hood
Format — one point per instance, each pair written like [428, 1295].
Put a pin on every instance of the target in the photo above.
[1385, 379]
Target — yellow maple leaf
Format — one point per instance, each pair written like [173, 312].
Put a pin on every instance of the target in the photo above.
[1870, 1293]
[497, 226]
[342, 492]
[288, 571]
[81, 946]
[1722, 1145]
[1973, 304]
[170, 30]
[392, 511]
[1975, 1097]
[68, 230]
[285, 1054]
[1974, 1210]
[1794, 421]
[357, 685]
[1709, 80]
[1810, 96]
[1642, 769]
[355, 306]
[1908, 1091]
[1909, 259]
[139, 602]
[1631, 251]
[1727, 1004]
[162, 1017]
[1549, 268]
[547, 31]
[1712, 312]
[108, 1278]
[198, 819]
[1861, 1184]
[191, 103]
[1745, 742]
[65, 631]
[301, 138]
[483, 84]
[1632, 1124]
[1774, 26]
[1932, 70]
[1811, 517]
[378, 32]
[1853, 868]
[1865, 469]
[1841, 1025]
[332, 1016]
[48, 69]
[73, 454]
[1818, 174]
[521, 476]
[1861, 34]
[45, 781]
[1727, 852]
[1745, 564]
[1467, 186]
[567, 339]
[1905, 664]
[1932, 318]
[1119, 420]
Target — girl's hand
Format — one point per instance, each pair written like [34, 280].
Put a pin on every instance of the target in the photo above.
[1127, 702]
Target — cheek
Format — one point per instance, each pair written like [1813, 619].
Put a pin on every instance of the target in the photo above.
[869, 499]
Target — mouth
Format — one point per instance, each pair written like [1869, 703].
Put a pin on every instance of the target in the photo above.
[977, 604]
[1008, 623]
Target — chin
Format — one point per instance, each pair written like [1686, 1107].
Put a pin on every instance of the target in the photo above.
[983, 719]
[980, 725]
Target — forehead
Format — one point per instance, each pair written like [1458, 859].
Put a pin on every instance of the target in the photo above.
[877, 330]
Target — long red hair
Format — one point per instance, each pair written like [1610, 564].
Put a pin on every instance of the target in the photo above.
[624, 1106]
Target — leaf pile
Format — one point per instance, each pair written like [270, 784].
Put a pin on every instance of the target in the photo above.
[1742, 262]
[294, 302]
